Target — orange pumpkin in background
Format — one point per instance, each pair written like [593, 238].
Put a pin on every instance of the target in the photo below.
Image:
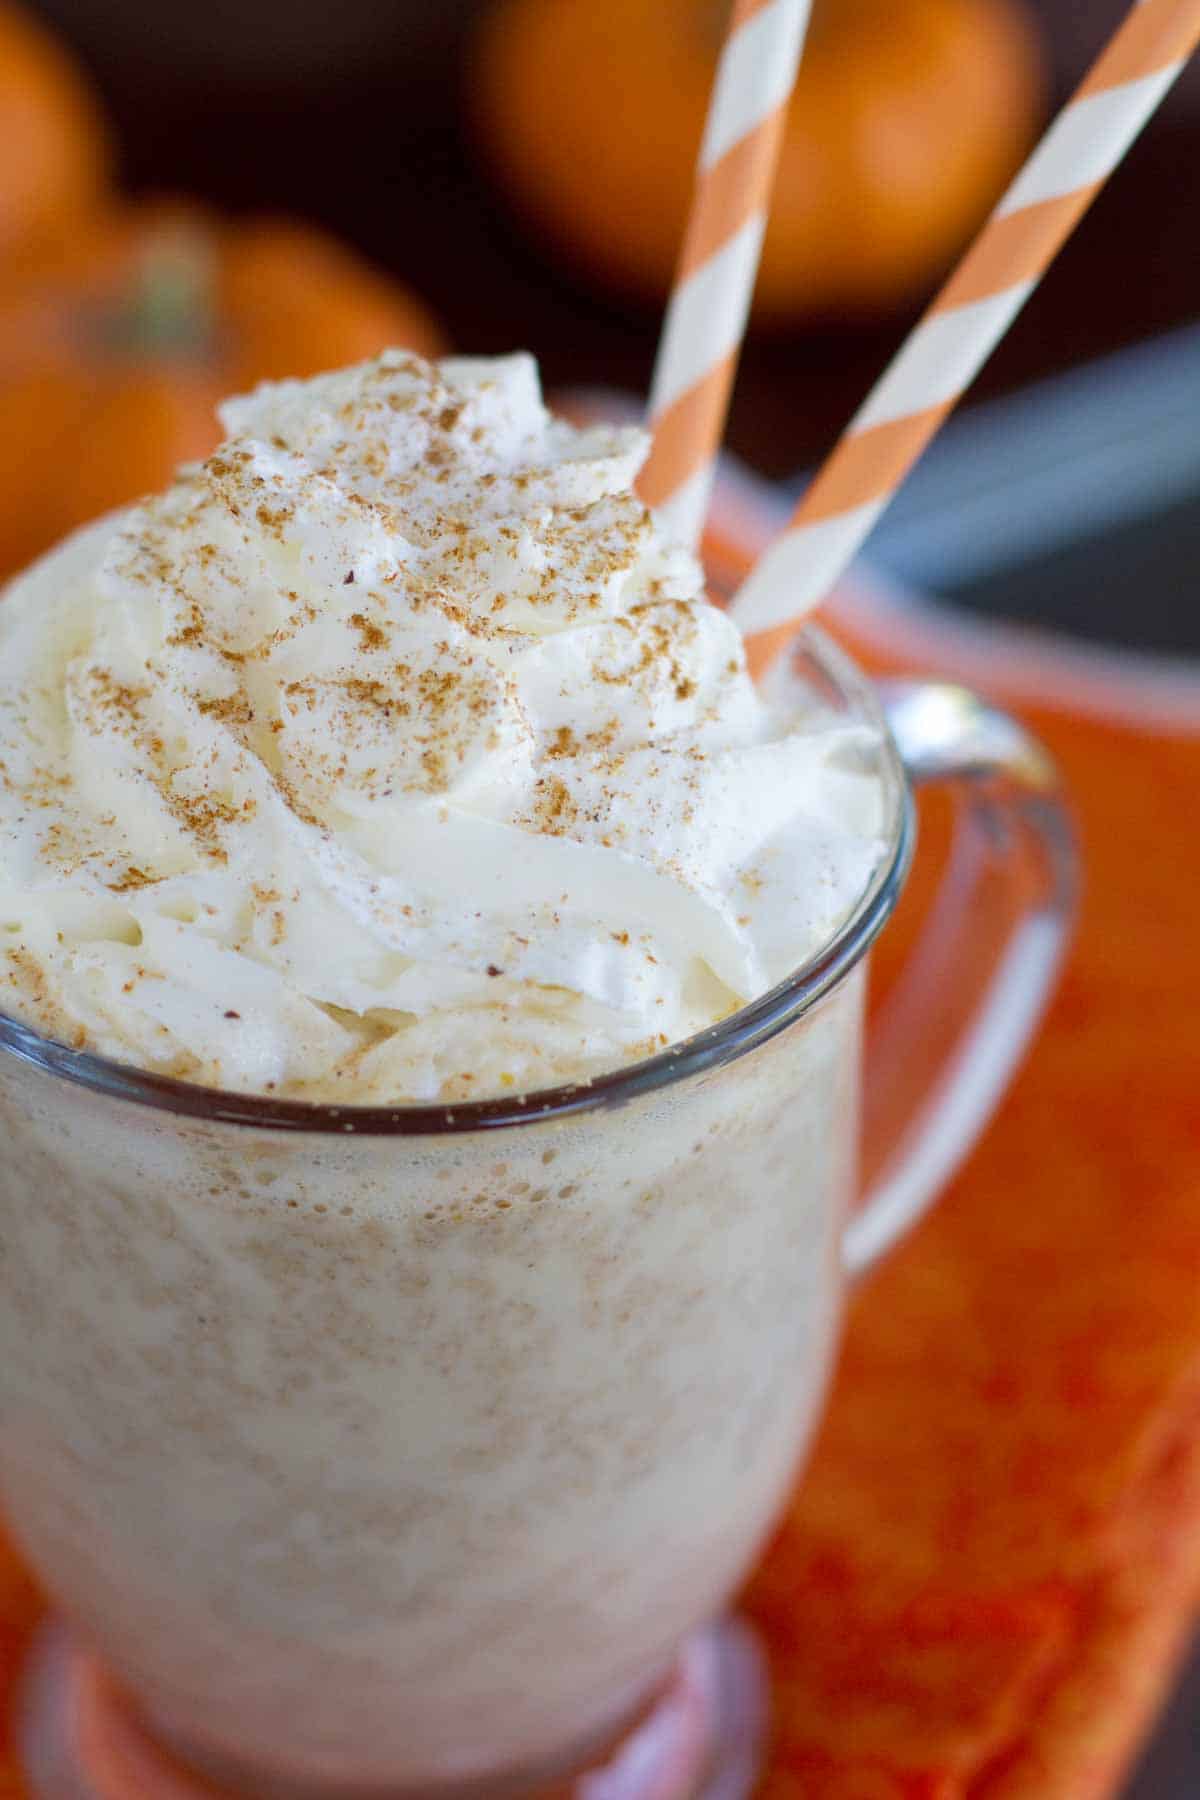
[54, 146]
[907, 119]
[116, 349]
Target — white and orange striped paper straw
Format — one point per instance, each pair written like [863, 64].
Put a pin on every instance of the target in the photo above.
[965, 322]
[706, 315]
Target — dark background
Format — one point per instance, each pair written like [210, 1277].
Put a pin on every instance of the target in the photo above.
[349, 111]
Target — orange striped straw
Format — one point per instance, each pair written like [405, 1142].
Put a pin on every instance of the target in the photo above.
[706, 315]
[965, 322]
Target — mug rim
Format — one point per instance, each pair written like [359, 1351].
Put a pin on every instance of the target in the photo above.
[711, 1048]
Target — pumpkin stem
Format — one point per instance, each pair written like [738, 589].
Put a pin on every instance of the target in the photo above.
[171, 304]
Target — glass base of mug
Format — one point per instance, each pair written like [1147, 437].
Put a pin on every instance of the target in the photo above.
[701, 1740]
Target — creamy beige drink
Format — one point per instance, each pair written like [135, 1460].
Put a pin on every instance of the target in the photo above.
[394, 757]
[393, 1462]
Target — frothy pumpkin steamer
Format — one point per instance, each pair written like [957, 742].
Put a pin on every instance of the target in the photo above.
[394, 755]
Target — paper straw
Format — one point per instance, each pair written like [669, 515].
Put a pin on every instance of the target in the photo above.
[966, 321]
[706, 315]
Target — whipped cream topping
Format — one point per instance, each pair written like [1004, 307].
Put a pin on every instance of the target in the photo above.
[395, 754]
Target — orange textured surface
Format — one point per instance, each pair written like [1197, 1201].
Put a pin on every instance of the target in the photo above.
[982, 1587]
[984, 1584]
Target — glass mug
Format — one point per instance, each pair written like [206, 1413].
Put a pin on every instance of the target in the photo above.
[415, 1450]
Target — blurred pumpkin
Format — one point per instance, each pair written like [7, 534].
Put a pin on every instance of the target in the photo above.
[54, 150]
[116, 350]
[907, 118]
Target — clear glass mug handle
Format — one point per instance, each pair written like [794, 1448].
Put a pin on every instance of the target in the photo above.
[956, 1025]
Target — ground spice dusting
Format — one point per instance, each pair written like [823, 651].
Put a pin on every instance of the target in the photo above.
[370, 635]
[555, 811]
[203, 815]
[119, 698]
[357, 690]
[133, 878]
[434, 764]
[357, 613]
[231, 709]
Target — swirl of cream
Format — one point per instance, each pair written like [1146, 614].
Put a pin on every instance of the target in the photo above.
[394, 753]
